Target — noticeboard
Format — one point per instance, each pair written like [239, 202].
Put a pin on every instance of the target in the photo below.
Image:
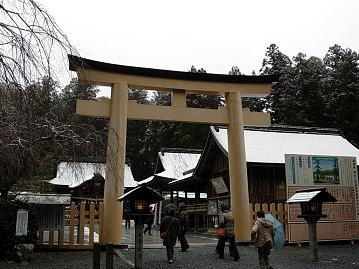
[212, 207]
[339, 176]
[219, 185]
[214, 204]
[22, 218]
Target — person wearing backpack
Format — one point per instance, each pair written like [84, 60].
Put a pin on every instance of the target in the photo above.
[263, 234]
[169, 231]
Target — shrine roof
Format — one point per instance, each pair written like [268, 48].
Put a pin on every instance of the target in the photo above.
[75, 173]
[266, 145]
[177, 164]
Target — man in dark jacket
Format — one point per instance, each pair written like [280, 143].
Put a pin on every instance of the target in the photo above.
[170, 225]
[226, 221]
[183, 220]
[149, 221]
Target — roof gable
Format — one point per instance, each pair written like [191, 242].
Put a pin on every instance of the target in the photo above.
[75, 173]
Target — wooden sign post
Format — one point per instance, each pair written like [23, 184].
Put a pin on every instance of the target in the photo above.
[311, 201]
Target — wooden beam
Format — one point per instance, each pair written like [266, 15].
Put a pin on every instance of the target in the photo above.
[153, 83]
[169, 113]
[177, 114]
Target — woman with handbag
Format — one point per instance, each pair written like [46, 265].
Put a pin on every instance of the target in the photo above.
[226, 232]
[169, 231]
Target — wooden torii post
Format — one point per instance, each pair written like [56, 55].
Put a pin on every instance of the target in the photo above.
[119, 109]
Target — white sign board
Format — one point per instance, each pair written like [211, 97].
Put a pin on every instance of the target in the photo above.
[22, 222]
[219, 185]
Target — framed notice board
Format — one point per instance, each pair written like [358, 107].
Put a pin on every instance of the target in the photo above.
[339, 176]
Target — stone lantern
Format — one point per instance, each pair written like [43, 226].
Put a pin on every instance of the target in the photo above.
[311, 201]
[140, 199]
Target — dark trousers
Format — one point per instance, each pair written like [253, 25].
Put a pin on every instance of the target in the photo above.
[263, 255]
[127, 223]
[183, 241]
[232, 246]
[170, 251]
[148, 228]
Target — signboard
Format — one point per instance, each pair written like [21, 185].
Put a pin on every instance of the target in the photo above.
[214, 205]
[219, 185]
[339, 176]
[22, 222]
[51, 218]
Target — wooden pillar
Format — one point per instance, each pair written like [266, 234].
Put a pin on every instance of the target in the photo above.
[139, 242]
[115, 165]
[238, 167]
[313, 245]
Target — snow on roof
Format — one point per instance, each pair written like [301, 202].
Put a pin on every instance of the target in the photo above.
[270, 146]
[145, 180]
[44, 199]
[303, 197]
[175, 164]
[75, 173]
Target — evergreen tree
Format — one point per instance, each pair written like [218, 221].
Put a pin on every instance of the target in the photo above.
[308, 102]
[278, 101]
[343, 87]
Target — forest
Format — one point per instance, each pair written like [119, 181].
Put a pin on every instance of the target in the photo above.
[41, 118]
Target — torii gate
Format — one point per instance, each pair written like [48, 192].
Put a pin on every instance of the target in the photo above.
[120, 109]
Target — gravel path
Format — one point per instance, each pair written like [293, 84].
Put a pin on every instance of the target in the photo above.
[293, 257]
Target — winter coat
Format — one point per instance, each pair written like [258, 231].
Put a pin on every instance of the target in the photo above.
[149, 219]
[184, 220]
[226, 221]
[171, 226]
[262, 233]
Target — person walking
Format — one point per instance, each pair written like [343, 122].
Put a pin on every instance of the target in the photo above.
[126, 213]
[169, 231]
[262, 234]
[226, 221]
[184, 221]
[149, 221]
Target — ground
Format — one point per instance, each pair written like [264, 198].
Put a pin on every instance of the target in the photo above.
[200, 255]
[294, 257]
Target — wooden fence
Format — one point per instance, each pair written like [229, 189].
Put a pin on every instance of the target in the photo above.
[277, 210]
[83, 224]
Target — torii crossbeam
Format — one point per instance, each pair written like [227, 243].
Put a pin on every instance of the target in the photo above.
[119, 109]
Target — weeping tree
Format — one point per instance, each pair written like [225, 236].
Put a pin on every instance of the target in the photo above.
[33, 133]
[32, 45]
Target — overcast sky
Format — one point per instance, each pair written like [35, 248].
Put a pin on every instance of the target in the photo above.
[215, 35]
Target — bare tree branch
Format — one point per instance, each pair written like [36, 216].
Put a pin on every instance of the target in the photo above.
[31, 43]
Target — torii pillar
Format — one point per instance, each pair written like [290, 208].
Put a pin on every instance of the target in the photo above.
[238, 167]
[115, 164]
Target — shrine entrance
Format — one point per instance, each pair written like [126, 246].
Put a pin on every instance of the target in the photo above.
[119, 109]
